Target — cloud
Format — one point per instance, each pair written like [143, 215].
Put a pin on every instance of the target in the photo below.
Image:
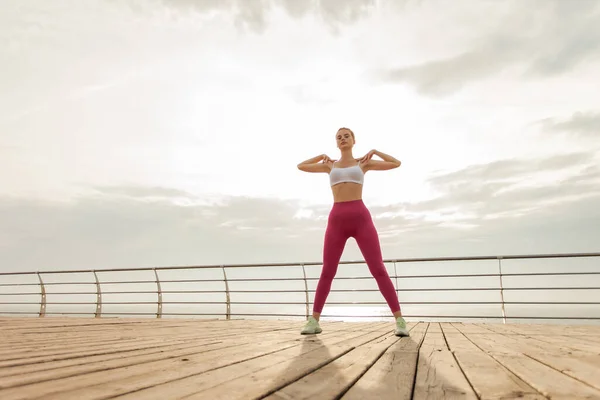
[541, 38]
[514, 185]
[103, 231]
[142, 192]
[253, 14]
[580, 124]
[512, 168]
[479, 197]
[492, 209]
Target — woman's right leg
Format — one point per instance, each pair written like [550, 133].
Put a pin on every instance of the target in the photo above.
[333, 247]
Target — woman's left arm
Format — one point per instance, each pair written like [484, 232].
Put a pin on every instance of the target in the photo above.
[388, 162]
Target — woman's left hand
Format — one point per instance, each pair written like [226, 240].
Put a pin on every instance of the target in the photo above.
[368, 156]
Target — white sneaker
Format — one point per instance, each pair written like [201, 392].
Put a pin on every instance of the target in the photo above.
[311, 327]
[401, 327]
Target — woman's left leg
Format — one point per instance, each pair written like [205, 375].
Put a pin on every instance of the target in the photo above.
[368, 242]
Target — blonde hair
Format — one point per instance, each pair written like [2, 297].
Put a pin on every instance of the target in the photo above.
[349, 130]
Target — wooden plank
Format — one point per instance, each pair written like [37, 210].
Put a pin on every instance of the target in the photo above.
[199, 376]
[490, 343]
[228, 378]
[69, 353]
[545, 336]
[90, 385]
[115, 359]
[488, 377]
[94, 351]
[118, 380]
[103, 338]
[578, 363]
[83, 365]
[438, 374]
[272, 378]
[140, 333]
[336, 377]
[149, 327]
[585, 368]
[393, 374]
[550, 329]
[546, 380]
[123, 359]
[553, 344]
[511, 343]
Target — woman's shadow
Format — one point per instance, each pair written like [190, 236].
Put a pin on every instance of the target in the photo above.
[328, 366]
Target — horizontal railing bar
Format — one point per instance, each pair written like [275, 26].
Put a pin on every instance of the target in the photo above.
[110, 282]
[20, 294]
[549, 273]
[19, 284]
[368, 316]
[453, 289]
[554, 288]
[124, 292]
[413, 302]
[33, 294]
[341, 278]
[505, 288]
[442, 316]
[287, 264]
[191, 280]
[161, 281]
[92, 303]
[140, 302]
[123, 313]
[325, 316]
[47, 284]
[308, 278]
[22, 312]
[553, 302]
[164, 314]
[167, 291]
[391, 276]
[93, 283]
[331, 302]
[310, 290]
[313, 278]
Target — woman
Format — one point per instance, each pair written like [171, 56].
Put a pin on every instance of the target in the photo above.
[349, 217]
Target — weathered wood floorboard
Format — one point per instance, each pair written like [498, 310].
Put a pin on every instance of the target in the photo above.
[94, 358]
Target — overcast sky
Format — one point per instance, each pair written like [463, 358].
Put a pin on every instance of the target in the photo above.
[140, 133]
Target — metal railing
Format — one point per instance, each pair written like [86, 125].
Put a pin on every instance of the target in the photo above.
[224, 295]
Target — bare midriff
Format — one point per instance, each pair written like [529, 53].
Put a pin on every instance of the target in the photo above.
[346, 191]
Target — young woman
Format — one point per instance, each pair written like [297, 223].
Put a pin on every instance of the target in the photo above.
[349, 217]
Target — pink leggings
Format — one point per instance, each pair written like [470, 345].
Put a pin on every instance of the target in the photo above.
[353, 219]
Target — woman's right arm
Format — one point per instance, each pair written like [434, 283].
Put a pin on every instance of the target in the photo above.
[314, 164]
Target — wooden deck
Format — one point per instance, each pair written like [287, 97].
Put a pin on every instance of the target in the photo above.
[87, 358]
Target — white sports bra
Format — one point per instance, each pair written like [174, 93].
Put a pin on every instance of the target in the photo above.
[352, 174]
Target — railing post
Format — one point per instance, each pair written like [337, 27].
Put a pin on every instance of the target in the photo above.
[159, 293]
[98, 313]
[305, 289]
[501, 289]
[42, 312]
[227, 298]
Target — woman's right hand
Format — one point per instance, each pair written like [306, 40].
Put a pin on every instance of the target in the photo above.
[319, 163]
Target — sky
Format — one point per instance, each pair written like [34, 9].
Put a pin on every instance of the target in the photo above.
[141, 133]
